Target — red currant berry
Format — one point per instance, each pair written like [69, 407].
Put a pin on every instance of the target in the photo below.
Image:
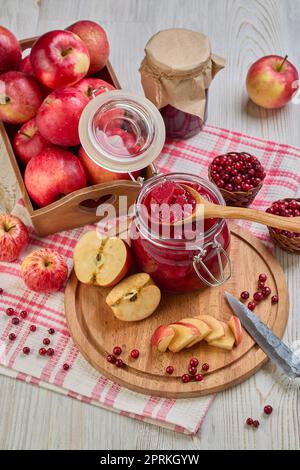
[194, 362]
[260, 285]
[117, 350]
[10, 311]
[26, 350]
[268, 409]
[12, 336]
[66, 366]
[134, 353]
[198, 377]
[170, 370]
[249, 421]
[258, 296]
[245, 295]
[15, 321]
[119, 363]
[192, 370]
[110, 358]
[51, 331]
[32, 328]
[46, 341]
[1, 291]
[274, 299]
[256, 423]
[42, 351]
[266, 291]
[23, 314]
[262, 277]
[205, 367]
[251, 305]
[50, 352]
[185, 378]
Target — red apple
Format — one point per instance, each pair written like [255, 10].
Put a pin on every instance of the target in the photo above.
[59, 58]
[44, 270]
[10, 51]
[272, 81]
[162, 337]
[20, 97]
[94, 37]
[13, 237]
[28, 142]
[58, 116]
[96, 85]
[96, 174]
[52, 173]
[26, 66]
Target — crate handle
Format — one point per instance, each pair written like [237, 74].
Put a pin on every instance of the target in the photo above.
[91, 205]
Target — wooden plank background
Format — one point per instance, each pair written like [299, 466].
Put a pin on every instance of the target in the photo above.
[241, 31]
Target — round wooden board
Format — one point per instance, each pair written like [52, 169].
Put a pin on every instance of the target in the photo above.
[96, 331]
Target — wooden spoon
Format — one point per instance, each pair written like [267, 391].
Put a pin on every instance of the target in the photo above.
[291, 224]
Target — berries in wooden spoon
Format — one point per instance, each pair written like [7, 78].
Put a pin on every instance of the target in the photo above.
[237, 172]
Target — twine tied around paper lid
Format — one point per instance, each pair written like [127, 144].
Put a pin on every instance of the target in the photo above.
[178, 68]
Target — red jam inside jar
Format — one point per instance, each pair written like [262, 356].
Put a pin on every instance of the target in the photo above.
[179, 261]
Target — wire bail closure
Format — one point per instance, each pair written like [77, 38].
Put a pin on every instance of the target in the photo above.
[198, 259]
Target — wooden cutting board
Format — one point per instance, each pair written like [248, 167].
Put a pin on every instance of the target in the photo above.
[96, 331]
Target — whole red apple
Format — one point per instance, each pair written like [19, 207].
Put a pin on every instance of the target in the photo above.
[26, 66]
[95, 86]
[59, 59]
[96, 174]
[53, 173]
[13, 237]
[44, 270]
[272, 81]
[28, 142]
[58, 116]
[94, 37]
[10, 51]
[20, 97]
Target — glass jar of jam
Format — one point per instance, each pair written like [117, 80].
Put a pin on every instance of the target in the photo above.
[176, 73]
[181, 263]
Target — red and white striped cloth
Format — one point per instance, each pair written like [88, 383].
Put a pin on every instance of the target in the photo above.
[81, 381]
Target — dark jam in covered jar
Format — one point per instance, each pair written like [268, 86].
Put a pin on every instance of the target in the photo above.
[179, 261]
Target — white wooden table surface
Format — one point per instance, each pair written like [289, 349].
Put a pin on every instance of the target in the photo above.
[241, 30]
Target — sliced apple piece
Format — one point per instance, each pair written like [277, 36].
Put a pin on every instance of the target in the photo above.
[162, 337]
[202, 327]
[236, 328]
[215, 325]
[185, 333]
[226, 342]
[102, 261]
[134, 298]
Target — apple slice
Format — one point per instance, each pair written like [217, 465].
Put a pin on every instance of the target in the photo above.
[185, 333]
[101, 261]
[236, 328]
[215, 325]
[162, 337]
[226, 342]
[203, 328]
[134, 298]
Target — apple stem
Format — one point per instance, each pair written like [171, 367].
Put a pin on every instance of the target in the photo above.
[282, 63]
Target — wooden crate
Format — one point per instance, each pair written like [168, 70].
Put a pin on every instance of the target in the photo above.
[77, 208]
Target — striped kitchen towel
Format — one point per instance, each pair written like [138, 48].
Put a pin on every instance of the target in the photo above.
[81, 381]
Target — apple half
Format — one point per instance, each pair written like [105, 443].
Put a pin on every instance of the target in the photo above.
[226, 341]
[202, 327]
[162, 337]
[216, 326]
[134, 298]
[102, 261]
[236, 328]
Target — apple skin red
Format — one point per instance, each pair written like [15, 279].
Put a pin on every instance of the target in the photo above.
[96, 174]
[10, 51]
[59, 115]
[28, 142]
[52, 173]
[95, 38]
[87, 85]
[268, 87]
[14, 237]
[20, 97]
[59, 58]
[44, 270]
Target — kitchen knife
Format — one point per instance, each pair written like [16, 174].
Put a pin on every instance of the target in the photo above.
[273, 346]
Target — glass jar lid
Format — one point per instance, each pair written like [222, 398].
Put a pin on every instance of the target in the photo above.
[121, 131]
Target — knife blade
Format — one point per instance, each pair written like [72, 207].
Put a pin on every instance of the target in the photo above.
[273, 346]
